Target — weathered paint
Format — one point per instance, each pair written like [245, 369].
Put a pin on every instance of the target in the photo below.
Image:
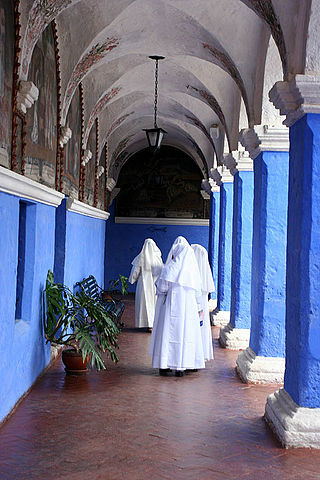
[124, 242]
[240, 316]
[23, 349]
[302, 376]
[271, 170]
[225, 246]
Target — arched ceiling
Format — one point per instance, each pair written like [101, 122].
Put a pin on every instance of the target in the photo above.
[215, 61]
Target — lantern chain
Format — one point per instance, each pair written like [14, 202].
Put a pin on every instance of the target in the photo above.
[156, 95]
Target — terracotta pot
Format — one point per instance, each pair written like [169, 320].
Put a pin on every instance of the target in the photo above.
[74, 362]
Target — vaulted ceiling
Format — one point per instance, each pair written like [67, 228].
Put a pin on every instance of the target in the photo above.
[213, 73]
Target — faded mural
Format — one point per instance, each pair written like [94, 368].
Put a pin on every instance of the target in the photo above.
[90, 168]
[165, 184]
[6, 78]
[41, 118]
[73, 148]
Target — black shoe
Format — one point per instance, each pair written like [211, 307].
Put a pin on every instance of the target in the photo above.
[179, 373]
[164, 371]
[191, 370]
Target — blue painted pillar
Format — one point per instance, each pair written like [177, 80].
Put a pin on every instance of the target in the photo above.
[263, 361]
[271, 170]
[294, 411]
[214, 235]
[302, 376]
[237, 333]
[222, 316]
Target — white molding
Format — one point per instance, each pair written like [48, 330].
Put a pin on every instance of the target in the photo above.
[214, 187]
[294, 426]
[252, 368]
[21, 186]
[296, 98]
[234, 338]
[200, 222]
[245, 162]
[221, 318]
[83, 209]
[264, 138]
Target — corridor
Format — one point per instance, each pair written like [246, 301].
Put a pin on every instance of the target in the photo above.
[130, 423]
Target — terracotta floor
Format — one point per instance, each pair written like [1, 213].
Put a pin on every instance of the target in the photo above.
[129, 423]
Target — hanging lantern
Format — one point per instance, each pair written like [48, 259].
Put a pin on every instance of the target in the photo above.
[155, 134]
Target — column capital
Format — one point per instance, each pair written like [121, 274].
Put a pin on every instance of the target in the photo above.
[230, 162]
[205, 185]
[111, 183]
[264, 138]
[214, 187]
[245, 163]
[87, 155]
[216, 176]
[66, 134]
[28, 93]
[205, 195]
[296, 98]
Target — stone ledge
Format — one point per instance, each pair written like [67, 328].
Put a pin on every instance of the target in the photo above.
[234, 338]
[294, 426]
[252, 368]
[83, 209]
[15, 184]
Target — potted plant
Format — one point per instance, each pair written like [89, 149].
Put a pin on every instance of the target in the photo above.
[80, 322]
[117, 287]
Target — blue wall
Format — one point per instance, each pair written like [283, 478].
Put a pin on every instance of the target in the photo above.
[240, 316]
[302, 376]
[124, 242]
[225, 247]
[268, 282]
[80, 243]
[213, 251]
[23, 350]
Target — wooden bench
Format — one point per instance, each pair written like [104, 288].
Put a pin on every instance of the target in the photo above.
[115, 308]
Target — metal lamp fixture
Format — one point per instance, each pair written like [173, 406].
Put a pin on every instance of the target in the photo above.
[155, 134]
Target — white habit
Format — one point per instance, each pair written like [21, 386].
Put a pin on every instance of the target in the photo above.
[207, 286]
[146, 268]
[176, 341]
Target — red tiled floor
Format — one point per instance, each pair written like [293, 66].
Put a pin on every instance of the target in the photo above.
[129, 423]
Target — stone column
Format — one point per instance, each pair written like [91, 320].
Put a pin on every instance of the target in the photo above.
[236, 334]
[214, 235]
[224, 180]
[263, 361]
[294, 411]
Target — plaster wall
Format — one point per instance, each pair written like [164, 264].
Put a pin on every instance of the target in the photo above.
[240, 316]
[271, 170]
[82, 244]
[23, 349]
[214, 238]
[302, 375]
[225, 246]
[124, 242]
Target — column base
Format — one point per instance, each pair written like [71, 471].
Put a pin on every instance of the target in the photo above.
[220, 318]
[294, 426]
[252, 368]
[234, 338]
[55, 350]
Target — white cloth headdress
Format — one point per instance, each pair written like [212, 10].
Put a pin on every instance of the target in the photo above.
[201, 254]
[181, 266]
[149, 257]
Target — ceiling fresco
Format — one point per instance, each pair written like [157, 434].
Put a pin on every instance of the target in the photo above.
[214, 72]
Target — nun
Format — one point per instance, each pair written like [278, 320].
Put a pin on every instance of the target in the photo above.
[207, 286]
[146, 268]
[176, 342]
